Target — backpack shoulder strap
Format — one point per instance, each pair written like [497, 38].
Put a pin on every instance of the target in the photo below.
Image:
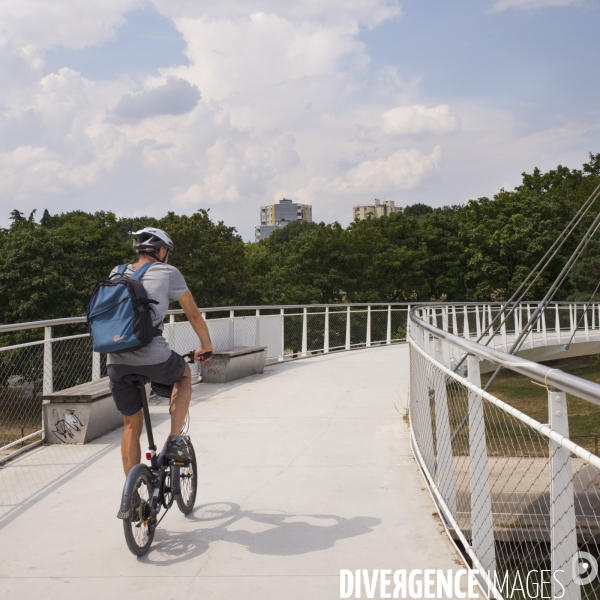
[139, 272]
[120, 270]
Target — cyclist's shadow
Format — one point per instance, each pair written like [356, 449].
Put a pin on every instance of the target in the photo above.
[278, 533]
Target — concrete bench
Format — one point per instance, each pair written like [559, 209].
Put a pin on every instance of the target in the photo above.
[84, 412]
[229, 365]
[80, 414]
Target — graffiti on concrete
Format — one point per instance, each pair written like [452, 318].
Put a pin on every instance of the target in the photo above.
[66, 427]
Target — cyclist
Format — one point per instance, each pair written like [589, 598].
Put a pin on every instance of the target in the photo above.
[163, 283]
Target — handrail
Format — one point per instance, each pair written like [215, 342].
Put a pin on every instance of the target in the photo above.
[582, 388]
[178, 311]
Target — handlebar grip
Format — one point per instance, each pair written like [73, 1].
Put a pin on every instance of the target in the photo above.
[190, 356]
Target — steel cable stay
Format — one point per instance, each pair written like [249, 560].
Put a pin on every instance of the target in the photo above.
[515, 300]
[549, 295]
[536, 313]
[551, 253]
[587, 306]
[543, 263]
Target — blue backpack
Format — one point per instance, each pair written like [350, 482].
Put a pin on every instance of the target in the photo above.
[119, 314]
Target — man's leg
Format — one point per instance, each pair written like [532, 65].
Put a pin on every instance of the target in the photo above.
[131, 451]
[180, 401]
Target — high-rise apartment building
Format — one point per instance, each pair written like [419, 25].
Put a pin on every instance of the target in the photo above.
[379, 209]
[275, 216]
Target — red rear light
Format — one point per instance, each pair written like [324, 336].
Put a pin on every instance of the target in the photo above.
[148, 456]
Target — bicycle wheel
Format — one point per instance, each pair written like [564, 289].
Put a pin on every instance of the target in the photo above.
[188, 483]
[139, 526]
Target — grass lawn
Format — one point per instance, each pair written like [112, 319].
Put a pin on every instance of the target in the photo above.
[532, 399]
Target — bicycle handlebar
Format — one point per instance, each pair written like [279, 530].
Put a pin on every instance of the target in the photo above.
[190, 356]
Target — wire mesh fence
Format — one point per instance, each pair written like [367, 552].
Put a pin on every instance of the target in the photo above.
[31, 366]
[35, 361]
[21, 377]
[521, 498]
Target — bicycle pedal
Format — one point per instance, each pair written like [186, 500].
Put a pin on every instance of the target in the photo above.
[179, 463]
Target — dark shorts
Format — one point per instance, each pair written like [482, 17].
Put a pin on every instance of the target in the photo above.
[127, 397]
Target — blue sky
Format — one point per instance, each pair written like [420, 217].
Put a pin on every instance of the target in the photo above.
[146, 42]
[536, 62]
[145, 107]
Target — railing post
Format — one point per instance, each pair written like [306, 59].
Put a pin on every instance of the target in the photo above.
[388, 336]
[503, 333]
[544, 332]
[466, 332]
[282, 313]
[326, 332]
[445, 318]
[257, 330]
[96, 371]
[304, 331]
[482, 522]
[585, 325]
[572, 318]
[348, 341]
[171, 331]
[563, 530]
[48, 381]
[557, 324]
[420, 407]
[368, 341]
[445, 463]
[231, 340]
[454, 351]
[477, 321]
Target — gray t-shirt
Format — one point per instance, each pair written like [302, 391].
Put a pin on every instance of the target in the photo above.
[164, 284]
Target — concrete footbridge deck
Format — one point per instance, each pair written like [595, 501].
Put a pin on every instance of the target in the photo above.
[303, 471]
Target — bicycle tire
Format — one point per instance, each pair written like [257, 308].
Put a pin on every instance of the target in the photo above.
[188, 483]
[138, 527]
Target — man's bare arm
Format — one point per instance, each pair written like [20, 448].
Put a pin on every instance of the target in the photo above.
[197, 322]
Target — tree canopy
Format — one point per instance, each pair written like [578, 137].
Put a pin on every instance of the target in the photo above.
[481, 250]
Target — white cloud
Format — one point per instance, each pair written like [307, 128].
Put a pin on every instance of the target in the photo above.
[246, 54]
[279, 100]
[501, 5]
[403, 170]
[366, 12]
[69, 23]
[416, 119]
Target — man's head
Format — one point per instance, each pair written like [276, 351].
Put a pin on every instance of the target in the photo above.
[153, 243]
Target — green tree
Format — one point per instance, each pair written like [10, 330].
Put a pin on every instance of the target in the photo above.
[505, 237]
[50, 273]
[210, 256]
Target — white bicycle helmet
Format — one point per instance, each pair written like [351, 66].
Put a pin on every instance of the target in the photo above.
[151, 239]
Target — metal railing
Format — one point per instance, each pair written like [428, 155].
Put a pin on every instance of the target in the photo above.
[42, 357]
[519, 495]
[503, 481]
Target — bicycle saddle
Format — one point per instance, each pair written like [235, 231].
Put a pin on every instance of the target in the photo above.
[162, 390]
[136, 379]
